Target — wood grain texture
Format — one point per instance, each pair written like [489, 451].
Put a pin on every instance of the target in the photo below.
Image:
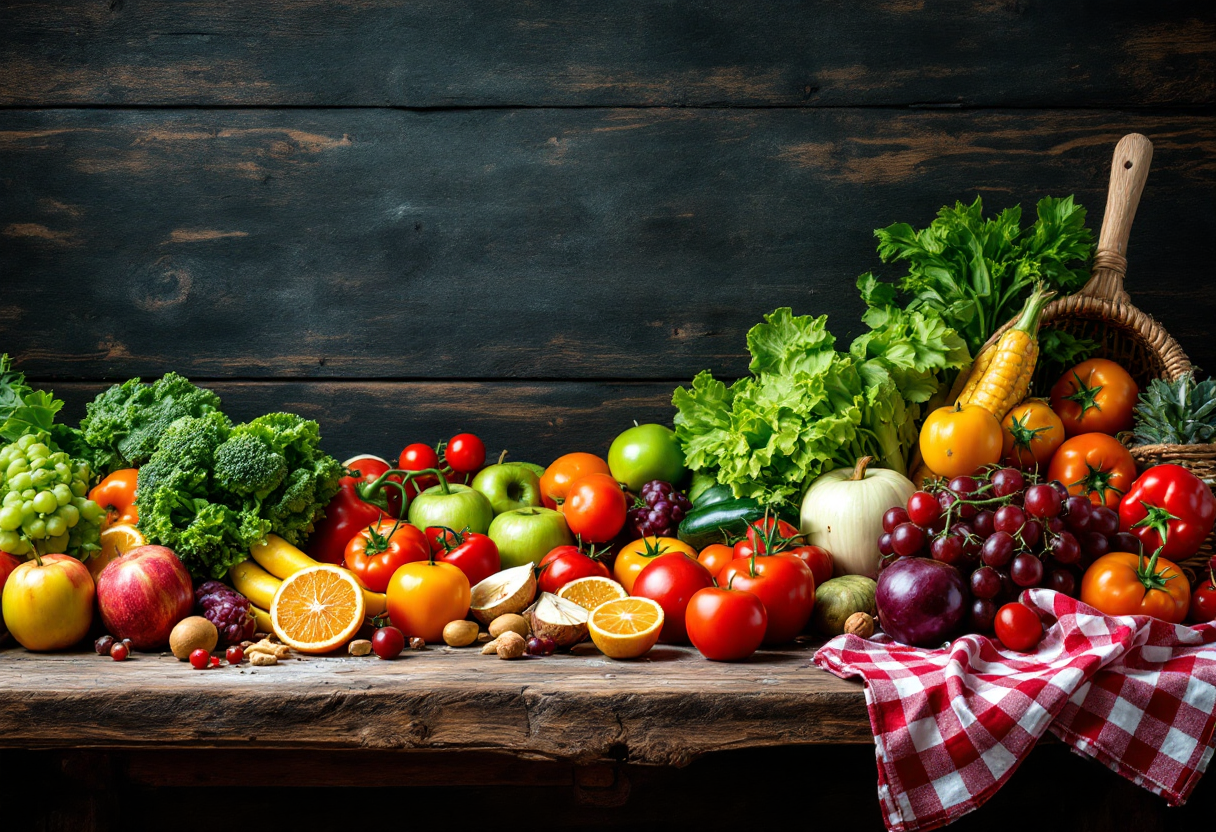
[712, 52]
[535, 421]
[611, 244]
[667, 708]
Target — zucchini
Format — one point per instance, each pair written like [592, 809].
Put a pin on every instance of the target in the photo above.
[717, 522]
[714, 494]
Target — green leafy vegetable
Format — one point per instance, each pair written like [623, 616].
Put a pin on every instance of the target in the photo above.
[211, 490]
[976, 272]
[126, 422]
[1177, 412]
[808, 408]
[22, 408]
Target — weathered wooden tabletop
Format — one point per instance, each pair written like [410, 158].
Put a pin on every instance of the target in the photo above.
[668, 708]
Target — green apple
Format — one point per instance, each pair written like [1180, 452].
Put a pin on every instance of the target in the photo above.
[508, 485]
[644, 453]
[539, 470]
[525, 535]
[454, 506]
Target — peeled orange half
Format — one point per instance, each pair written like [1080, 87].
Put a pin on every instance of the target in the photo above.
[592, 591]
[625, 628]
[318, 609]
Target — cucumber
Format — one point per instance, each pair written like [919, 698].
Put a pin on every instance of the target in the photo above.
[701, 481]
[714, 494]
[716, 522]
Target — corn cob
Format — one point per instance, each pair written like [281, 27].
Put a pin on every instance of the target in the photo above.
[1000, 377]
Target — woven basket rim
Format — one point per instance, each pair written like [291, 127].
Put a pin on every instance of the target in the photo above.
[1205, 447]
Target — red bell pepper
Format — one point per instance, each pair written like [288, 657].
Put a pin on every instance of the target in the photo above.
[372, 490]
[1168, 508]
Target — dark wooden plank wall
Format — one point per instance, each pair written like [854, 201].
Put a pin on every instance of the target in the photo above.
[375, 212]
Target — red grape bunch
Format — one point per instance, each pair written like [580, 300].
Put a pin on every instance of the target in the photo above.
[1007, 533]
[658, 512]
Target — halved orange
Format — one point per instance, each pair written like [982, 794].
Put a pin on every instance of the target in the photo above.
[318, 609]
[625, 628]
[115, 542]
[592, 591]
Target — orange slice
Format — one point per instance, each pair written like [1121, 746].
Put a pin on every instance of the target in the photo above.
[318, 609]
[590, 592]
[115, 542]
[625, 628]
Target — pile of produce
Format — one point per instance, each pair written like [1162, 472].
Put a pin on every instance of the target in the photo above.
[910, 484]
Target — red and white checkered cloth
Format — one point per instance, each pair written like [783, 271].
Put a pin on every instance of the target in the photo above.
[951, 725]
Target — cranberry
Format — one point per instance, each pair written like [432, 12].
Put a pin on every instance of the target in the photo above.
[199, 659]
[234, 654]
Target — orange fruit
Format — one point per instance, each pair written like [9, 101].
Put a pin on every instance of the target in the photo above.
[625, 628]
[592, 591]
[318, 609]
[115, 541]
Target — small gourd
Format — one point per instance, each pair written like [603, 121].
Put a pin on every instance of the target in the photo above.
[838, 599]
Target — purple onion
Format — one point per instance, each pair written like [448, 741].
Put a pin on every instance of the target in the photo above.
[921, 601]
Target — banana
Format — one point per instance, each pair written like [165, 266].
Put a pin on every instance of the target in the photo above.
[263, 619]
[282, 560]
[255, 583]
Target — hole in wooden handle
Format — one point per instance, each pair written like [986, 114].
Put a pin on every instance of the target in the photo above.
[1127, 165]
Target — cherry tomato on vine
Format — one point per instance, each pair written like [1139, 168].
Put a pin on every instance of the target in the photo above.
[473, 554]
[565, 564]
[726, 625]
[760, 534]
[595, 508]
[1018, 627]
[376, 552]
[465, 453]
[418, 457]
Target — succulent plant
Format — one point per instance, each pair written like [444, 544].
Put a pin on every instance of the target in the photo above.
[1180, 412]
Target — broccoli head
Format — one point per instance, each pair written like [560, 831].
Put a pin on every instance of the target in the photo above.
[246, 465]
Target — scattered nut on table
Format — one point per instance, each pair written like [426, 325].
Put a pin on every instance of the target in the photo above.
[460, 633]
[511, 621]
[510, 645]
[417, 643]
[359, 647]
[860, 624]
[262, 659]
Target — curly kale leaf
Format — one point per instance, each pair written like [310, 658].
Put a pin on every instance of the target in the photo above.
[125, 423]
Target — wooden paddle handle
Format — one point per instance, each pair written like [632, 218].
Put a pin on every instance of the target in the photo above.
[1128, 172]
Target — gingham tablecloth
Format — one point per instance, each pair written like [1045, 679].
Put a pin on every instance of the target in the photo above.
[951, 725]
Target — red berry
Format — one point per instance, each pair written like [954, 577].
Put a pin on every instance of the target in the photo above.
[199, 659]
[119, 652]
[234, 654]
[215, 661]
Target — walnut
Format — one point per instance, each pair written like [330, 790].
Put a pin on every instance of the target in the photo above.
[860, 624]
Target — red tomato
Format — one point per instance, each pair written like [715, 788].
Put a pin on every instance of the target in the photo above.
[1171, 508]
[473, 554]
[743, 549]
[784, 585]
[715, 556]
[762, 536]
[562, 473]
[419, 457]
[595, 508]
[726, 625]
[1096, 396]
[565, 564]
[1018, 627]
[1203, 599]
[671, 581]
[375, 553]
[1094, 465]
[367, 469]
[817, 558]
[465, 453]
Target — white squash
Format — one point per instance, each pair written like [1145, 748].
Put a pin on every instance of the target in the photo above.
[842, 512]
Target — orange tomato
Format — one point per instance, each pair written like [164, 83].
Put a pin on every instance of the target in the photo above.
[560, 475]
[1096, 465]
[1032, 432]
[595, 508]
[1095, 396]
[424, 596]
[715, 556]
[958, 441]
[1122, 583]
[636, 556]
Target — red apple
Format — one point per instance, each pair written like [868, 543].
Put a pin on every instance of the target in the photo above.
[143, 594]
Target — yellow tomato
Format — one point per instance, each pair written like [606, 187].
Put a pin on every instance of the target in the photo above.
[424, 596]
[48, 605]
[957, 441]
[1032, 432]
[636, 556]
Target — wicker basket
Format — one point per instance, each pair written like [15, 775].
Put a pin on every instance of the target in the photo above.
[1103, 311]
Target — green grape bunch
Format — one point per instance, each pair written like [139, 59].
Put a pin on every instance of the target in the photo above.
[44, 508]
